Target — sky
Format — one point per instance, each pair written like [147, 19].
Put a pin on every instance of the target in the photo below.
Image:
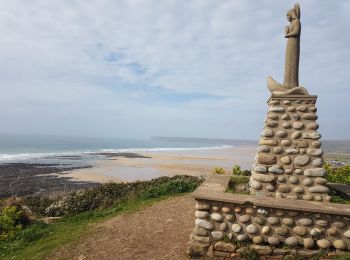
[114, 68]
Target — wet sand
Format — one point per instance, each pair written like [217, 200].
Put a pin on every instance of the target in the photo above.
[199, 162]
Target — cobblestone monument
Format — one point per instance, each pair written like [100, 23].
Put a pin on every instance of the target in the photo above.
[288, 211]
[289, 159]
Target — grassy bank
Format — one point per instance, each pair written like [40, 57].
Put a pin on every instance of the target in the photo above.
[38, 240]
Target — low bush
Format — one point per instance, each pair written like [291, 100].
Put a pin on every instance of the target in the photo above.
[12, 218]
[219, 170]
[110, 194]
[337, 174]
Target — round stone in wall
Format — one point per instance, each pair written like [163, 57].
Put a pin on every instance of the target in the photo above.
[293, 180]
[252, 229]
[271, 123]
[308, 181]
[270, 187]
[273, 220]
[332, 231]
[321, 181]
[273, 240]
[217, 235]
[302, 108]
[315, 152]
[255, 185]
[308, 243]
[244, 218]
[318, 198]
[347, 234]
[278, 150]
[312, 126]
[276, 169]
[284, 188]
[281, 231]
[288, 171]
[300, 231]
[281, 179]
[292, 151]
[309, 116]
[266, 159]
[281, 134]
[322, 223]
[317, 162]
[265, 230]
[285, 117]
[275, 102]
[216, 216]
[259, 220]
[301, 160]
[315, 172]
[258, 240]
[296, 135]
[267, 132]
[313, 109]
[287, 103]
[298, 125]
[298, 189]
[250, 211]
[242, 237]
[291, 109]
[308, 197]
[276, 109]
[286, 142]
[316, 144]
[285, 160]
[288, 221]
[263, 149]
[319, 189]
[226, 209]
[291, 241]
[298, 171]
[323, 243]
[315, 232]
[236, 228]
[201, 214]
[340, 245]
[302, 144]
[260, 168]
[223, 226]
[305, 221]
[286, 125]
[272, 116]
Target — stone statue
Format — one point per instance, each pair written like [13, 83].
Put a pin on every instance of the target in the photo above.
[290, 84]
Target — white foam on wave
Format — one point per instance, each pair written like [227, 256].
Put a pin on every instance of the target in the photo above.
[30, 156]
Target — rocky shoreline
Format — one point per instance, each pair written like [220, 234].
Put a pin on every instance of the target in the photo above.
[22, 179]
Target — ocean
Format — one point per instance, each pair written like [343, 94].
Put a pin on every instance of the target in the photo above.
[64, 150]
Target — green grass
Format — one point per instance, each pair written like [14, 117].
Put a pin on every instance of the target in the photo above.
[39, 240]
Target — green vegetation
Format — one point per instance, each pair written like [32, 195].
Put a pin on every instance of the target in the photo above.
[234, 183]
[337, 174]
[78, 210]
[219, 170]
[236, 170]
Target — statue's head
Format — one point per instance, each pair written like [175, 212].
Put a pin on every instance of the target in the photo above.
[291, 15]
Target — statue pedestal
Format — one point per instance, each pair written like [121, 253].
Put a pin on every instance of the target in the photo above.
[289, 158]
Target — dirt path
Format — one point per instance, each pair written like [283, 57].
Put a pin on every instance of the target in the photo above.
[160, 231]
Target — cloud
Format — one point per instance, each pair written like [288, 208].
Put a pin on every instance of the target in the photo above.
[142, 68]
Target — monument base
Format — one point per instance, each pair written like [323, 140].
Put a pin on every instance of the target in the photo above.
[230, 225]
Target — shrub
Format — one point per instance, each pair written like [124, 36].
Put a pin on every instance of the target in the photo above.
[11, 220]
[236, 170]
[337, 174]
[110, 194]
[219, 170]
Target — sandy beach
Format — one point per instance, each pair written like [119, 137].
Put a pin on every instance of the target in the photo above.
[197, 162]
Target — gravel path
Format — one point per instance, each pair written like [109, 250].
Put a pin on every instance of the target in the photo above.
[160, 231]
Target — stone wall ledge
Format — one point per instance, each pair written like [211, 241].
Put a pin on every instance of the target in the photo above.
[294, 97]
[213, 189]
